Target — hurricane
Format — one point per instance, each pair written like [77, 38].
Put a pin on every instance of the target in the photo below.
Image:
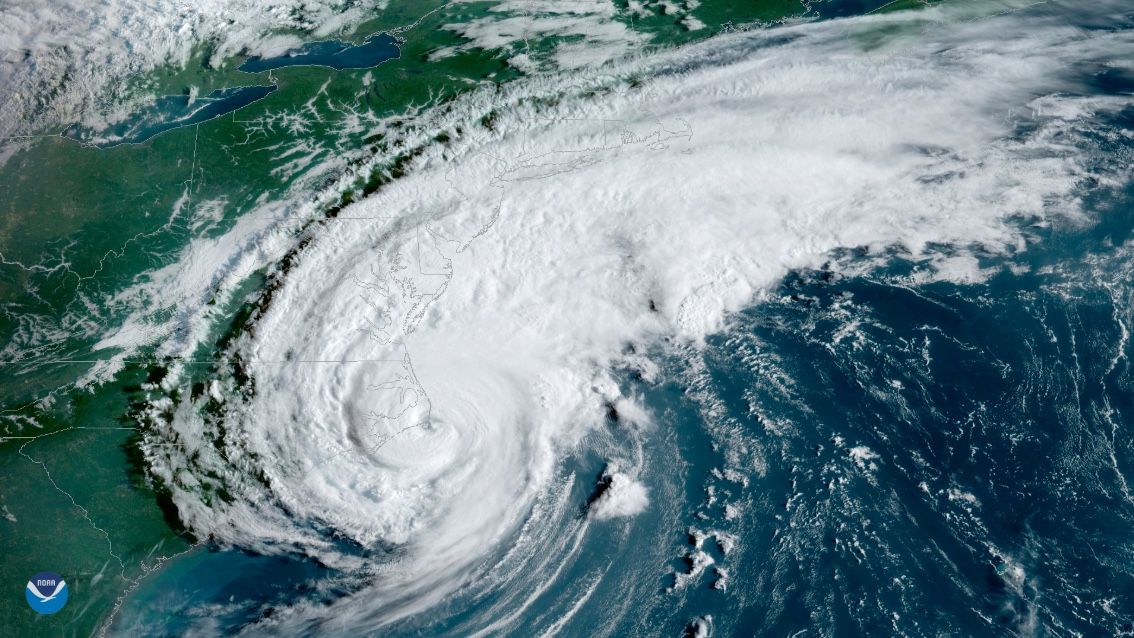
[820, 328]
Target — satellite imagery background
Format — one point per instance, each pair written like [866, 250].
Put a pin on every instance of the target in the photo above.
[566, 318]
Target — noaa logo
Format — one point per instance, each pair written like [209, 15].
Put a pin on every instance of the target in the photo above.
[46, 592]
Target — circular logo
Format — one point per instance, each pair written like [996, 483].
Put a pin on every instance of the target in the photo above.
[46, 592]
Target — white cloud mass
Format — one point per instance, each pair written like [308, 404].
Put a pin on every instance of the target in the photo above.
[432, 354]
[62, 61]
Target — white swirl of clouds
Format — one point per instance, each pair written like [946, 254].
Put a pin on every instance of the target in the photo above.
[440, 346]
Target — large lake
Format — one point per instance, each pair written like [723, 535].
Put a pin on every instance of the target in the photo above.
[331, 53]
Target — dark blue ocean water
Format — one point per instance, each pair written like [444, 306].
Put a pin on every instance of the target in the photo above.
[867, 452]
[891, 458]
[940, 459]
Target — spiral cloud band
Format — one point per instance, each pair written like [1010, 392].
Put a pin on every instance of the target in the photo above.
[429, 356]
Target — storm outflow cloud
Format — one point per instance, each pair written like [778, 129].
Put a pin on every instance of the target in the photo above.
[449, 339]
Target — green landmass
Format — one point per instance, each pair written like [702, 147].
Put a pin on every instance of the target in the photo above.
[78, 223]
